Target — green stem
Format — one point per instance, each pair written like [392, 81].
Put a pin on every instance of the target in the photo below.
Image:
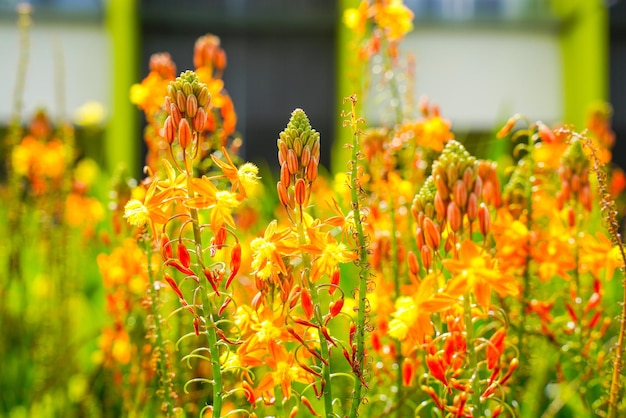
[395, 273]
[325, 352]
[364, 272]
[471, 352]
[207, 306]
[529, 225]
[165, 380]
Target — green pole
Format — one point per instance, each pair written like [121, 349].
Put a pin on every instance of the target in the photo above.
[121, 142]
[584, 48]
[348, 83]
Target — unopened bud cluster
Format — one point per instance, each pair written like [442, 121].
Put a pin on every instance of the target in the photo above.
[186, 103]
[574, 176]
[298, 156]
[450, 193]
[163, 65]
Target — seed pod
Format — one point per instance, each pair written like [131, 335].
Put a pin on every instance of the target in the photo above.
[169, 130]
[192, 106]
[184, 133]
[199, 120]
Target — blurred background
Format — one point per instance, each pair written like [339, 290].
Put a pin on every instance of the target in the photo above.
[480, 60]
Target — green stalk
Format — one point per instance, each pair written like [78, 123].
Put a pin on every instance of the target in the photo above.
[607, 205]
[153, 293]
[529, 225]
[364, 272]
[207, 306]
[325, 352]
[395, 273]
[471, 352]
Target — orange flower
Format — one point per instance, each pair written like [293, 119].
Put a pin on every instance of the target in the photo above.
[597, 255]
[411, 321]
[394, 18]
[475, 271]
[285, 371]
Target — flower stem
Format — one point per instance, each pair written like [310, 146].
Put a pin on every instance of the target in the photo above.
[607, 205]
[325, 352]
[159, 349]
[364, 273]
[218, 390]
[471, 352]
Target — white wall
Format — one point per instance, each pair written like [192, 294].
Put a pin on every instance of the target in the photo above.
[83, 49]
[481, 76]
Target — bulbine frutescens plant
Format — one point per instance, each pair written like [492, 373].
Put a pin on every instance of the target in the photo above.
[188, 221]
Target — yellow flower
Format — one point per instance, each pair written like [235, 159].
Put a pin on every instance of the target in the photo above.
[91, 114]
[136, 213]
[395, 19]
[356, 19]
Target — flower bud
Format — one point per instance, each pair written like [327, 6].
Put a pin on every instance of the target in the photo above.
[300, 191]
[478, 186]
[427, 257]
[199, 120]
[442, 187]
[311, 170]
[413, 264]
[484, 220]
[283, 196]
[431, 234]
[175, 113]
[181, 101]
[307, 303]
[285, 177]
[192, 106]
[419, 237]
[472, 207]
[460, 194]
[305, 156]
[184, 133]
[297, 146]
[204, 98]
[440, 208]
[455, 218]
[315, 149]
[169, 130]
[292, 161]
